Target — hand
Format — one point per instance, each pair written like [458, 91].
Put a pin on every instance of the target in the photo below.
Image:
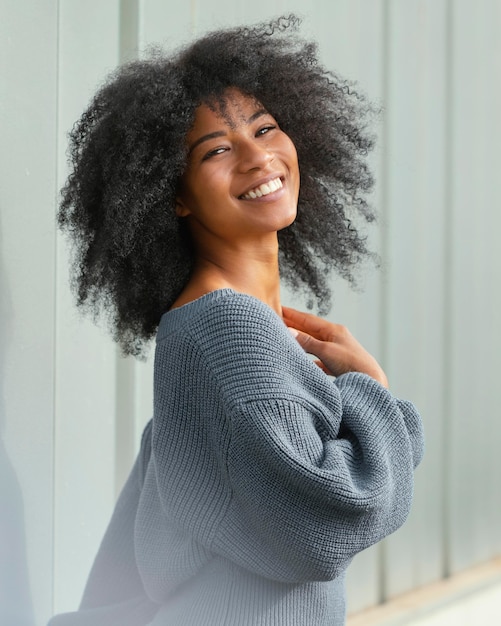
[339, 352]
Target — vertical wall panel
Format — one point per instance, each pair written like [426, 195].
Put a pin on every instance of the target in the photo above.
[352, 28]
[85, 426]
[129, 26]
[416, 113]
[164, 23]
[489, 376]
[474, 425]
[28, 57]
[221, 14]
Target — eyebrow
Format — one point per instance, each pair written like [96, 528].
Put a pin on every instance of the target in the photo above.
[222, 133]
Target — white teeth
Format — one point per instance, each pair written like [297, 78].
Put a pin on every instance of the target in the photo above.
[264, 189]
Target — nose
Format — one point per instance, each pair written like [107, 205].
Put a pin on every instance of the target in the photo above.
[253, 154]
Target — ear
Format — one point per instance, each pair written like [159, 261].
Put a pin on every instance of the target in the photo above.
[181, 209]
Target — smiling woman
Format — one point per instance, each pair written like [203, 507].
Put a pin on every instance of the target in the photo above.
[199, 180]
[132, 256]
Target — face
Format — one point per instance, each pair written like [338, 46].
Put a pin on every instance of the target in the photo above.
[242, 179]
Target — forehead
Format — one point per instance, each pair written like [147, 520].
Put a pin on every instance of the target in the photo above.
[232, 109]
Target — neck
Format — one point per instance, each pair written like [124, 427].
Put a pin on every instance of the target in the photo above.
[247, 269]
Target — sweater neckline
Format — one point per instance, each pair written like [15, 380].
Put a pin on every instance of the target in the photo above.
[207, 298]
[176, 317]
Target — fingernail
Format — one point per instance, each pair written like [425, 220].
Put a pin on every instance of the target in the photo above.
[293, 331]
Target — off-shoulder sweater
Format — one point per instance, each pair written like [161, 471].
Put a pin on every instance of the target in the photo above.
[258, 479]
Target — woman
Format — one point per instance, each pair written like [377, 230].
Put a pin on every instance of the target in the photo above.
[261, 473]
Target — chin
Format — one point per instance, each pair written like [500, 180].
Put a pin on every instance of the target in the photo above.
[289, 221]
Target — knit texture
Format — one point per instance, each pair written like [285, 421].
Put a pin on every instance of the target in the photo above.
[258, 480]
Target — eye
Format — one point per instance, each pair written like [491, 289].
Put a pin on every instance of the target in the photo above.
[214, 152]
[265, 129]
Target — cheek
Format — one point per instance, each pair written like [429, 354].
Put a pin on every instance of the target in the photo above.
[294, 154]
[205, 196]
[192, 190]
[290, 152]
[294, 164]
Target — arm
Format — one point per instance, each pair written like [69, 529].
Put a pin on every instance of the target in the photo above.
[313, 488]
[319, 469]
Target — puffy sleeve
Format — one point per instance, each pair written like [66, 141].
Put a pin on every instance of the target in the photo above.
[308, 470]
[313, 487]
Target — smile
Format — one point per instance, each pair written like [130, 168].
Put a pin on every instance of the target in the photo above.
[263, 190]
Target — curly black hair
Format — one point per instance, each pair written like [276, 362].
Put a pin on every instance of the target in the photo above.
[131, 254]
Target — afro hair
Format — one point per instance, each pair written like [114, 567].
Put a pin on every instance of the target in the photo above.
[131, 254]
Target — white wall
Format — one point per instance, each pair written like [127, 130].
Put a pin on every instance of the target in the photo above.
[71, 411]
[28, 121]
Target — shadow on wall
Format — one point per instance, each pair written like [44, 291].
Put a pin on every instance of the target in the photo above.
[16, 608]
[15, 598]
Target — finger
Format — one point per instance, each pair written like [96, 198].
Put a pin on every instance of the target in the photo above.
[309, 343]
[331, 357]
[323, 367]
[307, 322]
[301, 338]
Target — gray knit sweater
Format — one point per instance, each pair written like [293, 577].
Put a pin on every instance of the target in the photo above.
[259, 478]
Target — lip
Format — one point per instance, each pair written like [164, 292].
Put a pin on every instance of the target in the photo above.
[263, 181]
